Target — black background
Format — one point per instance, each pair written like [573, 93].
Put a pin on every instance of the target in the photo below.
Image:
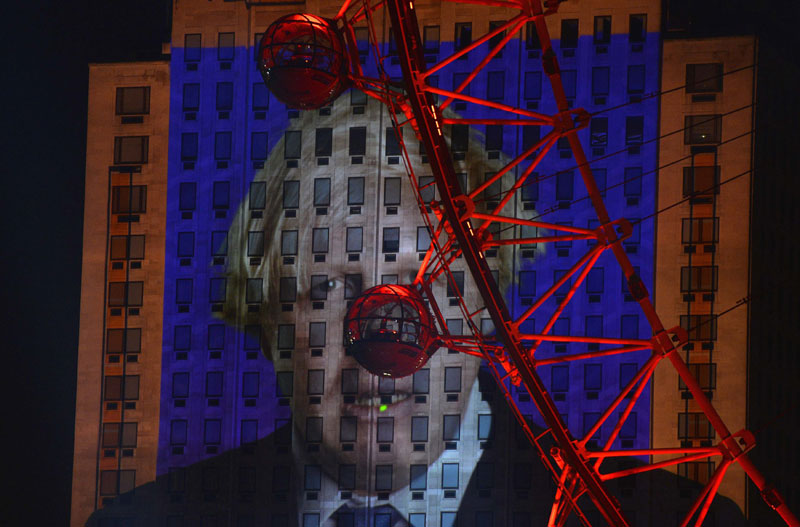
[48, 45]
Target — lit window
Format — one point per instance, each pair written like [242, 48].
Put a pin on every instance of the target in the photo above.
[702, 129]
[485, 428]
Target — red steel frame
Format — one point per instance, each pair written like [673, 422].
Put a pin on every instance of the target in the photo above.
[458, 229]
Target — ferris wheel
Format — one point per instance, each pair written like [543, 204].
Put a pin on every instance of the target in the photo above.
[308, 60]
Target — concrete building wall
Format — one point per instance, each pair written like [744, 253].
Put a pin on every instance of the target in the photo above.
[726, 347]
[97, 358]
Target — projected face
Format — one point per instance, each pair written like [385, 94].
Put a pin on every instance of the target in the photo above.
[304, 276]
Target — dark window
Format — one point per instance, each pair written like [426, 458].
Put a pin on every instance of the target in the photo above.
[258, 146]
[349, 381]
[358, 141]
[530, 136]
[348, 428]
[629, 326]
[527, 283]
[391, 239]
[430, 38]
[594, 281]
[286, 336]
[316, 334]
[423, 239]
[569, 79]
[183, 338]
[452, 379]
[385, 430]
[133, 101]
[254, 291]
[462, 36]
[354, 241]
[559, 378]
[564, 185]
[602, 30]
[185, 244]
[569, 33]
[347, 477]
[700, 181]
[221, 195]
[214, 384]
[285, 384]
[698, 278]
[485, 429]
[352, 286]
[419, 428]
[189, 146]
[212, 431]
[216, 336]
[219, 243]
[180, 384]
[703, 78]
[627, 371]
[633, 181]
[316, 382]
[225, 46]
[636, 79]
[495, 40]
[355, 191]
[634, 130]
[224, 96]
[598, 131]
[291, 194]
[258, 195]
[223, 142]
[451, 427]
[250, 384]
[532, 37]
[594, 325]
[421, 381]
[393, 140]
[495, 86]
[600, 79]
[592, 377]
[449, 475]
[704, 373]
[249, 431]
[494, 137]
[458, 278]
[130, 150]
[260, 96]
[702, 129]
[118, 387]
[533, 86]
[358, 97]
[418, 477]
[319, 240]
[319, 287]
[292, 144]
[323, 145]
[391, 191]
[637, 28]
[459, 138]
[322, 192]
[383, 478]
[192, 47]
[288, 289]
[187, 199]
[288, 243]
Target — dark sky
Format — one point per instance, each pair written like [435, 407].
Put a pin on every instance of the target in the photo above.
[48, 45]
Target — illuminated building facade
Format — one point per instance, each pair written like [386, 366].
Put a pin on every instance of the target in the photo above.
[263, 223]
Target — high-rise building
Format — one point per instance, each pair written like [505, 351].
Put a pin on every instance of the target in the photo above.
[226, 235]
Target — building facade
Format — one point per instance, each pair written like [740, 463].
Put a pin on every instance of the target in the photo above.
[261, 224]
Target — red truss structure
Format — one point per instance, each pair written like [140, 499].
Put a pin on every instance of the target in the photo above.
[458, 228]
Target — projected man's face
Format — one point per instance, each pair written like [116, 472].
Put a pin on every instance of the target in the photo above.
[367, 404]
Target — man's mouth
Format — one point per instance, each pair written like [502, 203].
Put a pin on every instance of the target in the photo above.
[378, 401]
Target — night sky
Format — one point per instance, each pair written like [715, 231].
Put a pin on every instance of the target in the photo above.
[48, 46]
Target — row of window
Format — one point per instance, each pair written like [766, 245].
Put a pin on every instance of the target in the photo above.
[592, 376]
[193, 46]
[214, 384]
